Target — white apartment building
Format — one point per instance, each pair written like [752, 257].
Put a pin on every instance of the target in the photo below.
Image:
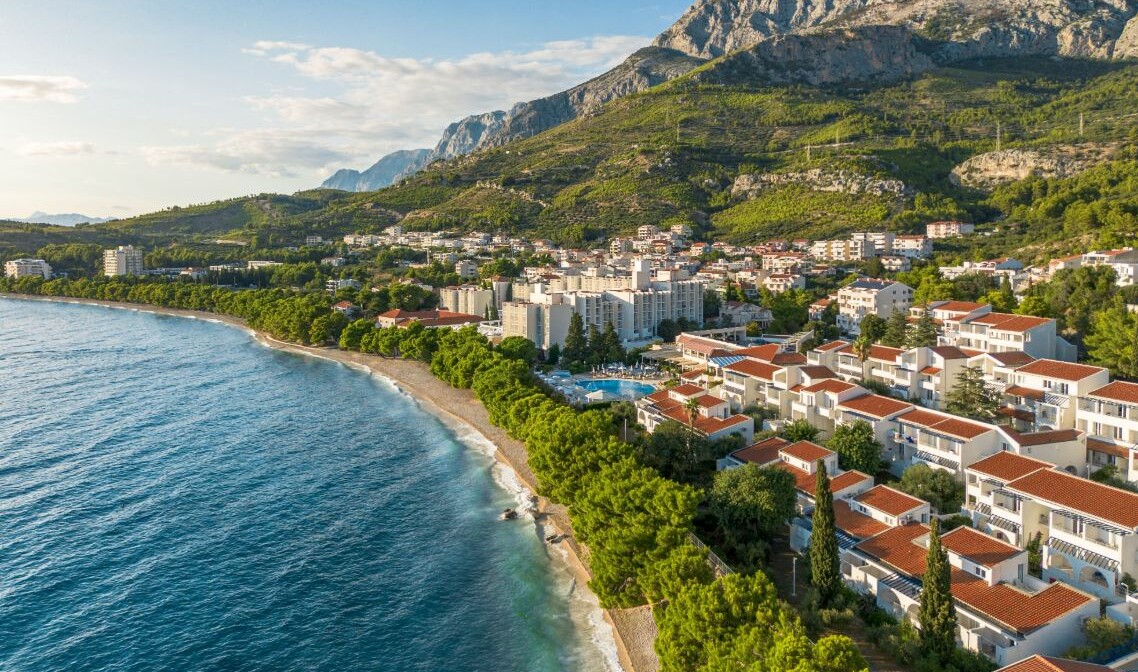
[123, 260]
[949, 229]
[713, 419]
[777, 283]
[842, 250]
[469, 299]
[882, 241]
[1005, 332]
[27, 268]
[1043, 394]
[1109, 417]
[913, 247]
[1123, 261]
[466, 269]
[870, 297]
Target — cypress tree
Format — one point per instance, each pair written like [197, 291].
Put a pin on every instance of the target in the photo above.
[896, 330]
[937, 614]
[824, 568]
[576, 346]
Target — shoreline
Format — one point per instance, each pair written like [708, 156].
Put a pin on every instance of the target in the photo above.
[633, 631]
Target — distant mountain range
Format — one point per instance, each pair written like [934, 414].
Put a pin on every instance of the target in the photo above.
[66, 219]
[796, 41]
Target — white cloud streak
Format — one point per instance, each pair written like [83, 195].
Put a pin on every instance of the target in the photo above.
[57, 149]
[40, 88]
[381, 104]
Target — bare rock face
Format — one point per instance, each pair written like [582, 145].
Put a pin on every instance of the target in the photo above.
[987, 171]
[463, 137]
[817, 179]
[872, 53]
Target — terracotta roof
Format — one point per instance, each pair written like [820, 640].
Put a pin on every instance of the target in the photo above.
[1051, 368]
[848, 479]
[1019, 611]
[704, 424]
[754, 369]
[949, 352]
[1008, 322]
[698, 343]
[832, 345]
[807, 451]
[818, 372]
[942, 423]
[688, 389]
[854, 523]
[1118, 391]
[763, 452]
[1108, 448]
[959, 306]
[978, 547]
[875, 405]
[1026, 392]
[803, 481]
[1038, 663]
[1085, 496]
[1044, 438]
[658, 396]
[692, 375]
[1012, 359]
[830, 385]
[889, 501]
[884, 353]
[708, 401]
[764, 353]
[930, 371]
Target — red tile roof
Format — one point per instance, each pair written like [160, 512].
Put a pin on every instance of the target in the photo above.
[658, 396]
[848, 479]
[889, 501]
[708, 401]
[1118, 391]
[832, 345]
[1019, 611]
[1108, 448]
[1007, 466]
[699, 344]
[688, 390]
[1051, 368]
[1026, 392]
[830, 385]
[978, 547]
[875, 405]
[854, 523]
[754, 369]
[1044, 438]
[804, 482]
[942, 423]
[1085, 496]
[930, 371]
[1012, 359]
[703, 424]
[818, 372]
[959, 306]
[1008, 322]
[884, 353]
[1038, 663]
[762, 452]
[807, 451]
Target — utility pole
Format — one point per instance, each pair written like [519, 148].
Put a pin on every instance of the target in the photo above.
[1082, 126]
[998, 138]
[809, 148]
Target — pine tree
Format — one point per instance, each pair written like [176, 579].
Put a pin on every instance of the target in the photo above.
[610, 342]
[576, 346]
[896, 330]
[971, 397]
[596, 346]
[924, 333]
[824, 568]
[937, 614]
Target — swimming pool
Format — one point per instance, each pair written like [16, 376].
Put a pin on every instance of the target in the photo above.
[628, 389]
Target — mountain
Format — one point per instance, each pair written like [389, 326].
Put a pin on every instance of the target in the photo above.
[384, 173]
[68, 219]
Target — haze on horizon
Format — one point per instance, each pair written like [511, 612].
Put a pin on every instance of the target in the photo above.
[117, 109]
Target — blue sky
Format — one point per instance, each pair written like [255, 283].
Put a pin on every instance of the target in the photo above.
[119, 108]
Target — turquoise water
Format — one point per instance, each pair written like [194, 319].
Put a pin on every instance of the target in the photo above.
[629, 389]
[175, 496]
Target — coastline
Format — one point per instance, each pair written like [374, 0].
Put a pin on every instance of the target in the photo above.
[633, 630]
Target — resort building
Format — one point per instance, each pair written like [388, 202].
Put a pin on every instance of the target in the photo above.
[1109, 417]
[469, 299]
[27, 268]
[692, 406]
[870, 297]
[948, 229]
[123, 260]
[428, 318]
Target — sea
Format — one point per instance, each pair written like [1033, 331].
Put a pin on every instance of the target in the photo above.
[176, 496]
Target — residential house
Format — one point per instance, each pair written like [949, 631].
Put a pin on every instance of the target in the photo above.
[870, 297]
[949, 229]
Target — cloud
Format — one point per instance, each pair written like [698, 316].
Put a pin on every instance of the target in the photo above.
[369, 104]
[57, 149]
[267, 152]
[42, 88]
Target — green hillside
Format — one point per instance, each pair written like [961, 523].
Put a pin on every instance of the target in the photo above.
[673, 153]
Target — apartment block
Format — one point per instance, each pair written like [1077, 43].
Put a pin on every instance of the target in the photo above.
[27, 268]
[123, 260]
[469, 299]
[870, 297]
[949, 229]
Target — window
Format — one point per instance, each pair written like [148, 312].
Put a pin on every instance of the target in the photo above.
[981, 572]
[1043, 519]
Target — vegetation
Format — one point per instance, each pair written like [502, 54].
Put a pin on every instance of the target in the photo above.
[825, 570]
[935, 486]
[937, 614]
[752, 505]
[970, 397]
[856, 447]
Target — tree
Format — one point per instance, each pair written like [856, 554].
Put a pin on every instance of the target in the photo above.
[576, 348]
[1113, 341]
[862, 346]
[825, 571]
[924, 332]
[553, 354]
[799, 430]
[937, 614]
[691, 407]
[896, 330]
[595, 347]
[712, 304]
[610, 344]
[935, 486]
[518, 347]
[752, 503]
[856, 447]
[872, 327]
[667, 330]
[971, 397]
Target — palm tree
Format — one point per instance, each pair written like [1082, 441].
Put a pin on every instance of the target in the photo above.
[692, 407]
[861, 347]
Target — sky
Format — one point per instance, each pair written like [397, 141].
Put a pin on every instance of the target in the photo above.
[122, 107]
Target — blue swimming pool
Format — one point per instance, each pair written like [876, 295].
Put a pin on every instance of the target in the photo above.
[629, 389]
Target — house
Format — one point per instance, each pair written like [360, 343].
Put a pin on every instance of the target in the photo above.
[709, 416]
[1043, 394]
[1123, 261]
[428, 318]
[741, 313]
[1005, 332]
[913, 247]
[1109, 417]
[948, 229]
[801, 460]
[870, 297]
[818, 402]
[777, 283]
[1038, 663]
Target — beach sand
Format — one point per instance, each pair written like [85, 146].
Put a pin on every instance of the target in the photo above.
[634, 630]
